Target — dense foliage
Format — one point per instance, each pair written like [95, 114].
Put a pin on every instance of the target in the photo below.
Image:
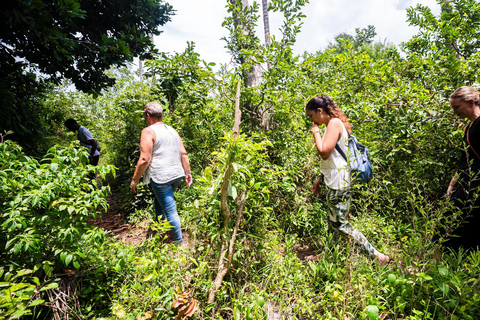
[75, 40]
[284, 261]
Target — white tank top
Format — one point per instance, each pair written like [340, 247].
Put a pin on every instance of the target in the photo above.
[335, 170]
[166, 162]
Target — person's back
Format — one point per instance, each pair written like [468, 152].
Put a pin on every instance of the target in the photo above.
[84, 136]
[166, 164]
[86, 139]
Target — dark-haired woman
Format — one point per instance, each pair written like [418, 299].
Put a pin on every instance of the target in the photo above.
[464, 187]
[334, 168]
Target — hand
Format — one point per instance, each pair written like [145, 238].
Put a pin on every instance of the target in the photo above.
[316, 186]
[314, 128]
[452, 185]
[133, 186]
[188, 179]
[450, 190]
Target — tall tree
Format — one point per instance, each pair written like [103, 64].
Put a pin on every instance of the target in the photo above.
[266, 26]
[245, 40]
[73, 39]
[266, 22]
[79, 39]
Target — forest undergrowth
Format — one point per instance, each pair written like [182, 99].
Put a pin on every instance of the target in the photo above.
[258, 244]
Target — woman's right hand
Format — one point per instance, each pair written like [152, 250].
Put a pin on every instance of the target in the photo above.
[133, 186]
[316, 186]
[452, 184]
[314, 128]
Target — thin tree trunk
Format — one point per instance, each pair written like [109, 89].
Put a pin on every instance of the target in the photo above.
[226, 249]
[225, 264]
[266, 22]
[266, 27]
[446, 7]
[253, 76]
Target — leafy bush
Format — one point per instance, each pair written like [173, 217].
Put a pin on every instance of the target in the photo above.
[45, 210]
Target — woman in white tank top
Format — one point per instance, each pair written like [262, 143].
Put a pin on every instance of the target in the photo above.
[335, 170]
[163, 162]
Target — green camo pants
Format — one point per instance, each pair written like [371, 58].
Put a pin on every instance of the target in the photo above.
[338, 202]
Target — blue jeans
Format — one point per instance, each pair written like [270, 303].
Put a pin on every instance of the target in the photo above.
[165, 206]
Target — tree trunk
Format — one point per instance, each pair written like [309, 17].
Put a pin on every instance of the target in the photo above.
[266, 22]
[445, 7]
[266, 27]
[252, 76]
[226, 249]
[140, 69]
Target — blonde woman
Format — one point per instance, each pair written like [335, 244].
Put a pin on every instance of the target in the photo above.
[464, 186]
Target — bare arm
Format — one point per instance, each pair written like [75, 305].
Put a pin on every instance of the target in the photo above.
[147, 140]
[452, 184]
[185, 163]
[93, 143]
[333, 133]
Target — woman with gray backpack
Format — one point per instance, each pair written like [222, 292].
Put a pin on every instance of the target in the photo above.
[336, 169]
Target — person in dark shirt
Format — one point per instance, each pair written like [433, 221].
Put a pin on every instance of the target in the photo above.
[464, 186]
[86, 139]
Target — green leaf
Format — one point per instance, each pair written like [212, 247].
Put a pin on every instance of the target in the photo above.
[443, 272]
[392, 279]
[49, 286]
[47, 269]
[445, 289]
[261, 301]
[68, 259]
[424, 276]
[150, 276]
[372, 312]
[232, 191]
[8, 276]
[23, 272]
[19, 286]
[36, 302]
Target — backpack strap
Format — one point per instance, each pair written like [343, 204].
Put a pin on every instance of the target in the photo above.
[468, 141]
[337, 147]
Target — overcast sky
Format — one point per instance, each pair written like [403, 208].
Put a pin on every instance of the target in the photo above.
[200, 21]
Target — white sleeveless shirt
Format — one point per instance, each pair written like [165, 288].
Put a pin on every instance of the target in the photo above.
[166, 162]
[335, 170]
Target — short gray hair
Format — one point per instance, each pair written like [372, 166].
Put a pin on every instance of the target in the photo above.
[154, 109]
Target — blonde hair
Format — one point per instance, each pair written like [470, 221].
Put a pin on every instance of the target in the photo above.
[466, 94]
[326, 103]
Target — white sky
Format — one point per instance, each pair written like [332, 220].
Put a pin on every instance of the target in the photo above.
[201, 21]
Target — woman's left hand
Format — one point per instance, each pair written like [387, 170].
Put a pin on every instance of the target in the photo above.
[314, 128]
[188, 179]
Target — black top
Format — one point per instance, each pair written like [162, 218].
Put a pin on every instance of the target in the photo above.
[469, 159]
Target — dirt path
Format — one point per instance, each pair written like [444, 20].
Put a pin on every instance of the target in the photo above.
[115, 221]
